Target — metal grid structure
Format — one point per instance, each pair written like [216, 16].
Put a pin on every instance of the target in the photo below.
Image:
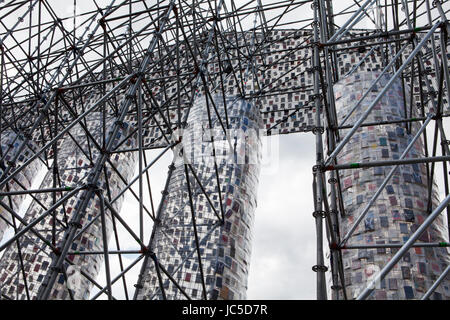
[142, 67]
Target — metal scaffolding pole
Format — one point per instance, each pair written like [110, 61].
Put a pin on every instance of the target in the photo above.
[319, 214]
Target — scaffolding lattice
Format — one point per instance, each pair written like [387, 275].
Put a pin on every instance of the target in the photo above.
[116, 82]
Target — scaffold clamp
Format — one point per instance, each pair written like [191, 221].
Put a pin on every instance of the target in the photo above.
[319, 268]
[318, 168]
[319, 214]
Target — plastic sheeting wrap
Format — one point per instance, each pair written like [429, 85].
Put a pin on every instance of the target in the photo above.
[10, 144]
[401, 207]
[74, 168]
[225, 248]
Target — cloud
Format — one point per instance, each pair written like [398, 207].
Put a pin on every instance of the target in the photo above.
[284, 230]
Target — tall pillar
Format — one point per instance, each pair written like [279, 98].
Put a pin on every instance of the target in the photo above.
[74, 164]
[10, 143]
[224, 247]
[401, 207]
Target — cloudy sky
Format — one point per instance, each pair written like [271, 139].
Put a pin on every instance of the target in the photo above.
[284, 243]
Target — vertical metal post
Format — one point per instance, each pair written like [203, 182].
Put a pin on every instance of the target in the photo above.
[105, 243]
[141, 151]
[332, 136]
[320, 268]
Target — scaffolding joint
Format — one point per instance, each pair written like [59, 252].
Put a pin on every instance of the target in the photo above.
[75, 224]
[11, 164]
[102, 23]
[215, 18]
[426, 72]
[318, 130]
[315, 96]
[314, 68]
[105, 151]
[432, 93]
[27, 135]
[93, 187]
[336, 287]
[140, 74]
[43, 99]
[331, 180]
[57, 251]
[443, 26]
[318, 168]
[133, 81]
[196, 70]
[319, 268]
[319, 214]
[147, 252]
[74, 48]
[335, 246]
[334, 211]
[120, 123]
[436, 116]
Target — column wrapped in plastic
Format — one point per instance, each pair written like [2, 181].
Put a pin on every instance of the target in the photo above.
[75, 157]
[225, 246]
[402, 206]
[10, 144]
